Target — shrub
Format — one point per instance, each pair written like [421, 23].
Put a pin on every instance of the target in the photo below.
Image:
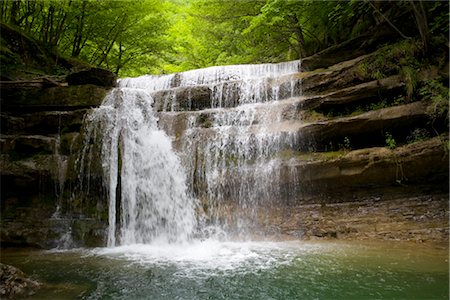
[390, 141]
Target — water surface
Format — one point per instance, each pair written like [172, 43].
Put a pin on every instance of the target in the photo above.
[235, 270]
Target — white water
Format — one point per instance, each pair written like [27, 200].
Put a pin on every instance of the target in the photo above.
[210, 76]
[228, 85]
[211, 257]
[138, 159]
[234, 160]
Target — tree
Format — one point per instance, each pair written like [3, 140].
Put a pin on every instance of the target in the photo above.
[420, 16]
[151, 36]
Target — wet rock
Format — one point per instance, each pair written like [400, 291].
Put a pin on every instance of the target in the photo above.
[226, 94]
[361, 218]
[95, 76]
[16, 284]
[89, 232]
[28, 145]
[341, 75]
[364, 130]
[183, 99]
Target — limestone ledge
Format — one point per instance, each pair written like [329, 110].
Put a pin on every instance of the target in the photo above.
[363, 130]
[385, 215]
[64, 98]
[379, 166]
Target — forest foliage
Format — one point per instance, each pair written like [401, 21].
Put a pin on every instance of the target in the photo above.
[163, 36]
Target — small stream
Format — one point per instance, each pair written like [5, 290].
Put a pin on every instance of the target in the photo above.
[239, 270]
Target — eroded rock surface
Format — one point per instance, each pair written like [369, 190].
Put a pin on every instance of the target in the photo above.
[14, 284]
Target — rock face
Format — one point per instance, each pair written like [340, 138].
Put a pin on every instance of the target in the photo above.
[384, 215]
[39, 142]
[15, 284]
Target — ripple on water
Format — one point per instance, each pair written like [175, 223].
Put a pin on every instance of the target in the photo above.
[233, 270]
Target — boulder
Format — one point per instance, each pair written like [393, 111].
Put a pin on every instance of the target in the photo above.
[95, 76]
[16, 284]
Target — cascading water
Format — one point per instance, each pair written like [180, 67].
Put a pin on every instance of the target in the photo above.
[229, 85]
[226, 171]
[143, 175]
[230, 164]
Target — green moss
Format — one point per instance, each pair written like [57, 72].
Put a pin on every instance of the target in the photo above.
[232, 160]
[311, 115]
[390, 141]
[409, 74]
[311, 156]
[390, 60]
[438, 94]
[417, 135]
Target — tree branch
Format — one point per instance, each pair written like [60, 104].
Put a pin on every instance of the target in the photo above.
[389, 22]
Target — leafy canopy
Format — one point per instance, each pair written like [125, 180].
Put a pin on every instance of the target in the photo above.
[162, 36]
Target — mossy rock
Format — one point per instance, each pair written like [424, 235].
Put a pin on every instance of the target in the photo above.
[23, 57]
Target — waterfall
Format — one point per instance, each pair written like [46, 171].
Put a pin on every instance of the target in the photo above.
[241, 84]
[142, 174]
[237, 161]
[211, 75]
[231, 165]
[217, 178]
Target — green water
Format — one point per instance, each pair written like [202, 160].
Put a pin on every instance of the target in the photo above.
[257, 270]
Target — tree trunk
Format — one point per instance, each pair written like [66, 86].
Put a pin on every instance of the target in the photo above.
[119, 59]
[15, 9]
[298, 31]
[422, 23]
[112, 41]
[78, 37]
